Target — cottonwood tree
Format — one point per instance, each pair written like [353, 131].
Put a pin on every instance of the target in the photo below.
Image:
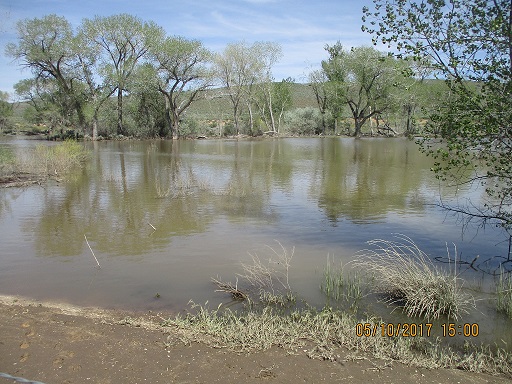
[124, 41]
[45, 46]
[282, 99]
[317, 81]
[98, 89]
[44, 96]
[264, 95]
[469, 45]
[239, 67]
[182, 75]
[363, 79]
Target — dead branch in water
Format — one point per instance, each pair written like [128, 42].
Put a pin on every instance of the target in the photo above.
[231, 289]
[97, 262]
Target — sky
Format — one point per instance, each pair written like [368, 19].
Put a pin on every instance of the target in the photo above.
[301, 28]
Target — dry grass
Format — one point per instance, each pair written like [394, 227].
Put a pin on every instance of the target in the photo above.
[271, 275]
[325, 334]
[408, 278]
[233, 290]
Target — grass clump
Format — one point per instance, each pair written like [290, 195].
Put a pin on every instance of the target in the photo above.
[504, 293]
[343, 284]
[408, 278]
[7, 160]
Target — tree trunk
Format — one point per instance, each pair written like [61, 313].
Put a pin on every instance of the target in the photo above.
[120, 128]
[175, 125]
[168, 117]
[358, 127]
[251, 118]
[95, 127]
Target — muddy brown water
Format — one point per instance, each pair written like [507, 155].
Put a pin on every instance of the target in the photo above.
[165, 217]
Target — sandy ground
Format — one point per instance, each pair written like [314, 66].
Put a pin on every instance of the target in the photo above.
[57, 344]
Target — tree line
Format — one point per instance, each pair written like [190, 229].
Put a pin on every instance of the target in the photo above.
[121, 63]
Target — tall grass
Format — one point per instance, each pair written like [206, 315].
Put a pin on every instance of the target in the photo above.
[408, 278]
[504, 293]
[265, 281]
[7, 160]
[52, 160]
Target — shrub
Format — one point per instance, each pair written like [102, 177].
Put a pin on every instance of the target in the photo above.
[302, 121]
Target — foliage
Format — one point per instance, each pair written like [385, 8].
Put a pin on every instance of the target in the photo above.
[468, 44]
[123, 41]
[45, 47]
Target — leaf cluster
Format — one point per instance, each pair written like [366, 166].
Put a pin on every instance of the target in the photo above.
[467, 43]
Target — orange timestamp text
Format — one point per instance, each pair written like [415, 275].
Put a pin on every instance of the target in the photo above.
[416, 329]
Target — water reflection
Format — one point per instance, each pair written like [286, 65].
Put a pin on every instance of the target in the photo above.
[364, 180]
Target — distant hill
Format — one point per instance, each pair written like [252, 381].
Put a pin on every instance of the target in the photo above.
[216, 104]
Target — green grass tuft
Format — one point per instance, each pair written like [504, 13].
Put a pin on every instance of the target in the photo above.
[343, 284]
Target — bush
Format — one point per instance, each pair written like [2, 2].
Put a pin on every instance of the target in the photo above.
[302, 121]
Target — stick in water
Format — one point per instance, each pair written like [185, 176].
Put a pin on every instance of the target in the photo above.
[97, 262]
[152, 226]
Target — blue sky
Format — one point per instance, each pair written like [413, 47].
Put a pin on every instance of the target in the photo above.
[302, 28]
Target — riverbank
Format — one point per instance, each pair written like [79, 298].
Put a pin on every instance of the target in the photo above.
[58, 343]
